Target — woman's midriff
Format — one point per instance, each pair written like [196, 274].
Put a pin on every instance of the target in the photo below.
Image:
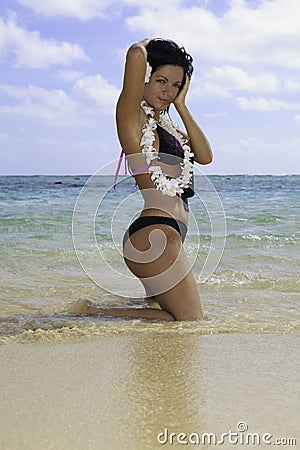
[157, 204]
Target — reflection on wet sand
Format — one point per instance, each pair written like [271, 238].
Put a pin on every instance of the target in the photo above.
[141, 391]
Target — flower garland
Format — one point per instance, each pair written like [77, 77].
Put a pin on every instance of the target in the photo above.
[168, 186]
[148, 72]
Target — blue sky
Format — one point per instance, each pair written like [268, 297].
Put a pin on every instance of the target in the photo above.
[61, 69]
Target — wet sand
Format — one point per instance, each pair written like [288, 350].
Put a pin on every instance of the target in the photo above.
[132, 391]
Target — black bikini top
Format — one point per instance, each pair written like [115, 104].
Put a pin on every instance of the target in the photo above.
[169, 145]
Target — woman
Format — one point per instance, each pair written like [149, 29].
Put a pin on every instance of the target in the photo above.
[157, 74]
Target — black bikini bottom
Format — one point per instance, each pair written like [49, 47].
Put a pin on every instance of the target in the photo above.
[144, 221]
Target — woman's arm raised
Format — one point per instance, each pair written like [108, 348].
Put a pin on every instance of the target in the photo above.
[134, 80]
[128, 113]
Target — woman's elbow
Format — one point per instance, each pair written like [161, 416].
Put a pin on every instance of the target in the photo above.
[208, 160]
[205, 159]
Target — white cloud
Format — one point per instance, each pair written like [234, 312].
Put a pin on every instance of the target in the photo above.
[32, 51]
[51, 106]
[154, 4]
[265, 104]
[91, 97]
[79, 9]
[69, 75]
[89, 9]
[97, 91]
[297, 117]
[249, 142]
[267, 34]
[214, 115]
[225, 80]
[292, 85]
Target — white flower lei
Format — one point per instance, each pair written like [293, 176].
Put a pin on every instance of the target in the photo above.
[148, 72]
[168, 186]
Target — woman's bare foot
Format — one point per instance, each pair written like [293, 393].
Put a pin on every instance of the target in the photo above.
[81, 306]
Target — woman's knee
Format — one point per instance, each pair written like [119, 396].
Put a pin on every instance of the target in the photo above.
[180, 312]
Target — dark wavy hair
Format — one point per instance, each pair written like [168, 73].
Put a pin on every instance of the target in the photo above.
[161, 52]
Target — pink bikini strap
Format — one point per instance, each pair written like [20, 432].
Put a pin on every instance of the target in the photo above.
[118, 169]
[136, 172]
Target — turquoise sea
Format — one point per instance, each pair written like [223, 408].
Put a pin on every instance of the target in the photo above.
[254, 288]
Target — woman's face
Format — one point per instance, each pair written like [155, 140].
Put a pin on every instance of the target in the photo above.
[163, 87]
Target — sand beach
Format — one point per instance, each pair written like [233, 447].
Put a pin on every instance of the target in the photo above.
[132, 391]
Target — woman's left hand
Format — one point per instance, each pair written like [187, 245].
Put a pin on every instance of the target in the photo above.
[180, 99]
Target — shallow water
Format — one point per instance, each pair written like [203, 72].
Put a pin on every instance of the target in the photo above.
[254, 288]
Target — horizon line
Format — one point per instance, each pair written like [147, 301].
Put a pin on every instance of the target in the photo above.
[122, 175]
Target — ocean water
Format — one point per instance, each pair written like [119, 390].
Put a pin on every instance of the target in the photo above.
[60, 240]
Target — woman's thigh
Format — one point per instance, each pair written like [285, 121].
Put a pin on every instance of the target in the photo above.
[152, 250]
[182, 300]
[155, 255]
